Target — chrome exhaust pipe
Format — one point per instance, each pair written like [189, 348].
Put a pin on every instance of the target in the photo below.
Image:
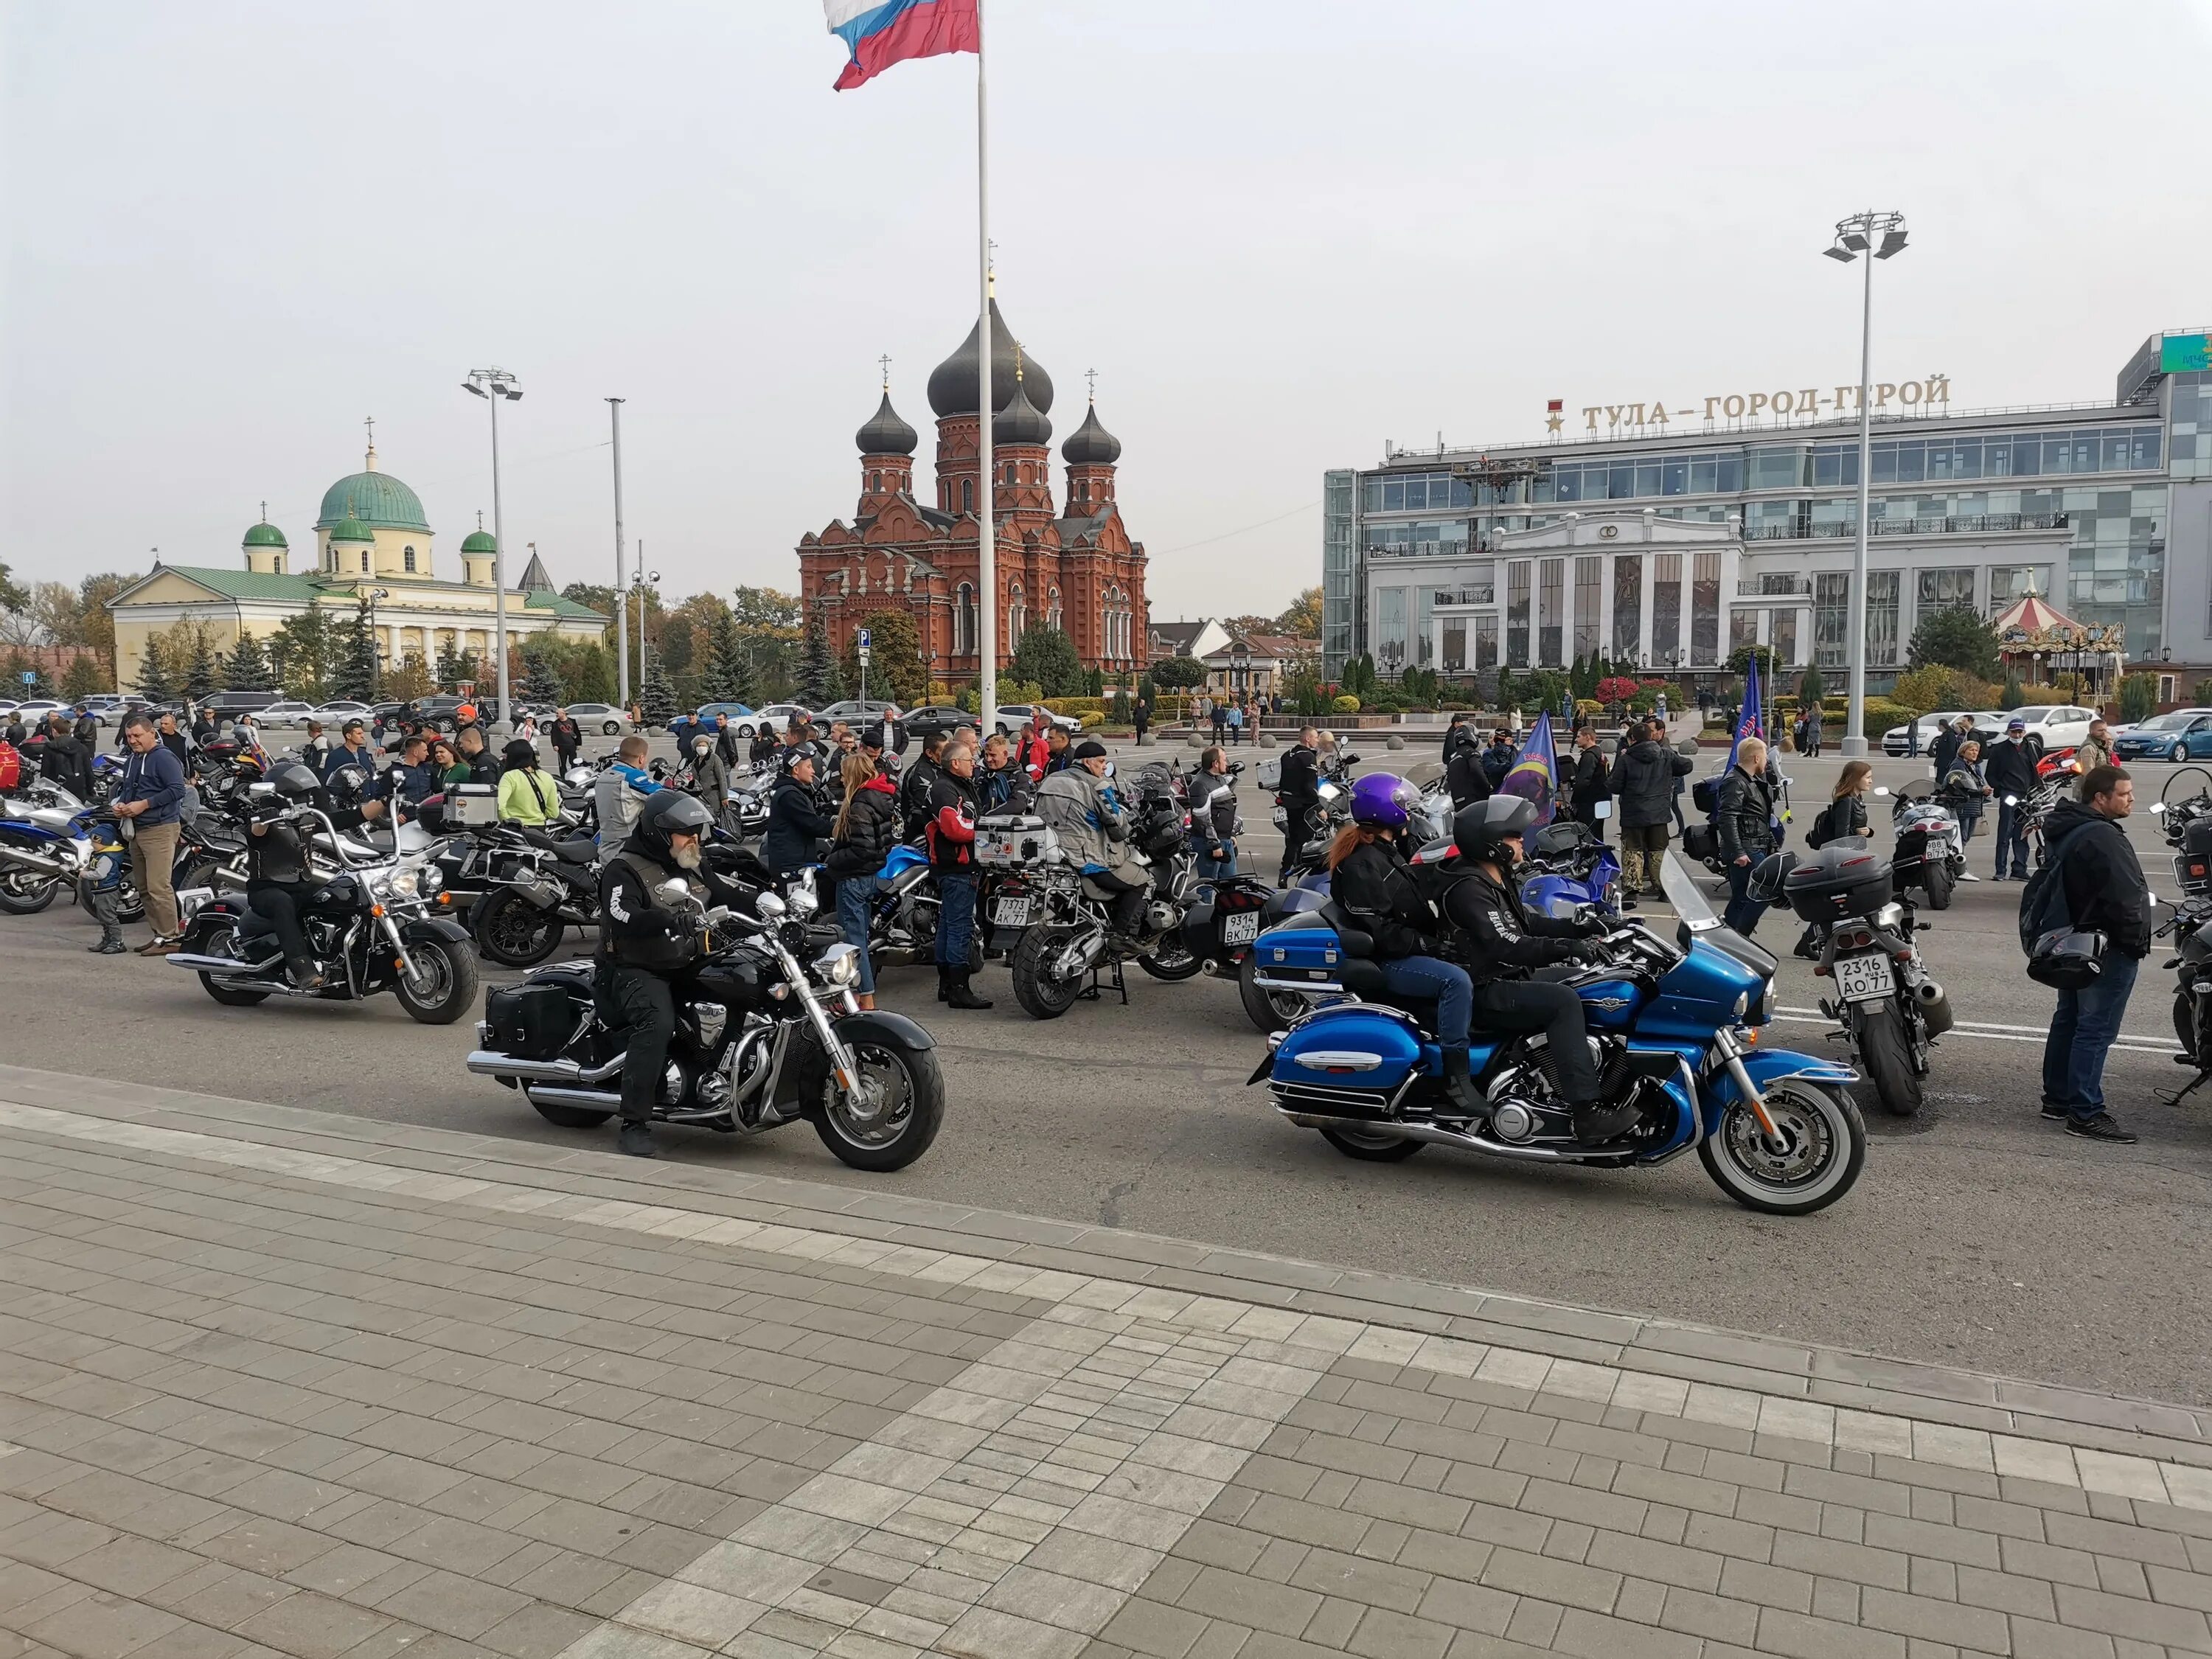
[490, 1062]
[1935, 1006]
[21, 858]
[592, 1097]
[1431, 1135]
[230, 966]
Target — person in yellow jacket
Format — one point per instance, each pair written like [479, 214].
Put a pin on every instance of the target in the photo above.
[527, 795]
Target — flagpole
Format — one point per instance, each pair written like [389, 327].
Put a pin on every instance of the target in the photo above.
[986, 543]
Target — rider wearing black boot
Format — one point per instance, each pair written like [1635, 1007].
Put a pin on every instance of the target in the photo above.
[1506, 943]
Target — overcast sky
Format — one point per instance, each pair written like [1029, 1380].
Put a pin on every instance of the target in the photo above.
[1281, 233]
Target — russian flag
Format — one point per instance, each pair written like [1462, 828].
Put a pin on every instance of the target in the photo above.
[877, 33]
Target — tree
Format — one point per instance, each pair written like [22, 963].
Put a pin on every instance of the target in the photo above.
[657, 697]
[302, 652]
[202, 670]
[1954, 638]
[2138, 696]
[540, 683]
[896, 671]
[154, 672]
[728, 676]
[353, 658]
[410, 680]
[1178, 673]
[1047, 656]
[12, 596]
[95, 622]
[16, 666]
[1301, 618]
[1740, 661]
[820, 684]
[583, 668]
[247, 668]
[2014, 693]
[83, 678]
[1811, 685]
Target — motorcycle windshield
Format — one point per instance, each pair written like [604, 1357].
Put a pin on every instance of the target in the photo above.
[1689, 902]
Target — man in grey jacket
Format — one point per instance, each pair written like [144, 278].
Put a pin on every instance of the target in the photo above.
[621, 793]
[1093, 825]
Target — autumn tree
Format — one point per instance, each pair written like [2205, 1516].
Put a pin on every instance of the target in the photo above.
[1301, 618]
[896, 673]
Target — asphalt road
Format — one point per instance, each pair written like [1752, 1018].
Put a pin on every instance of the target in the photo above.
[1980, 1234]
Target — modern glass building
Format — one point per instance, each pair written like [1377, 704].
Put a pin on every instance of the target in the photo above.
[1673, 547]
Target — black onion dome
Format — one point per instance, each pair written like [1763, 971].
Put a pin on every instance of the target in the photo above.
[1020, 421]
[885, 433]
[1091, 444]
[952, 382]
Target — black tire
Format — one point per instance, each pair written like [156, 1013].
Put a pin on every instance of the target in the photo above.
[512, 932]
[1173, 962]
[451, 968]
[1940, 883]
[1042, 998]
[1271, 1011]
[22, 894]
[893, 1133]
[1825, 1124]
[1887, 1054]
[567, 1117]
[2177, 754]
[1369, 1147]
[129, 907]
[230, 995]
[612, 728]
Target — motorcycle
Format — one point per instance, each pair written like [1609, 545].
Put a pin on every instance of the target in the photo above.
[755, 1046]
[1929, 853]
[1569, 871]
[1890, 1009]
[538, 885]
[375, 922]
[60, 843]
[1672, 1030]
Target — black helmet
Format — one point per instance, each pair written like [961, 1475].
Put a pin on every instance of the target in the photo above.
[346, 783]
[297, 782]
[1482, 824]
[1765, 885]
[670, 812]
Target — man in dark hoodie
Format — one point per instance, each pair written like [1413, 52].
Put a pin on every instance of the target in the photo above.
[2105, 893]
[1644, 786]
[2008, 767]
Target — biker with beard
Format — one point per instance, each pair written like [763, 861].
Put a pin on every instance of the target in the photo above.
[1503, 944]
[644, 944]
[279, 876]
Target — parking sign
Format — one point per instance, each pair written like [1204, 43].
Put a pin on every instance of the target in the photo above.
[864, 647]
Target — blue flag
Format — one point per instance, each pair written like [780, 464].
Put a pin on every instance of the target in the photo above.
[1535, 774]
[1750, 723]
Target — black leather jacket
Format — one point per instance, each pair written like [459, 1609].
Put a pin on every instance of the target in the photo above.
[1375, 889]
[1497, 937]
[1744, 819]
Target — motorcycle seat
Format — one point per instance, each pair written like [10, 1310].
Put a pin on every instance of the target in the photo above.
[254, 925]
[580, 849]
[1356, 942]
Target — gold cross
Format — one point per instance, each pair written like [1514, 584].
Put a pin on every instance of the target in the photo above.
[886, 362]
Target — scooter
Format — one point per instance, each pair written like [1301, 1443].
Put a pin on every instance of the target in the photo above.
[1674, 1028]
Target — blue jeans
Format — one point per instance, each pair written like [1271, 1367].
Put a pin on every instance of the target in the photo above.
[2081, 1033]
[1424, 977]
[1742, 913]
[856, 894]
[955, 918]
[2012, 834]
[1208, 868]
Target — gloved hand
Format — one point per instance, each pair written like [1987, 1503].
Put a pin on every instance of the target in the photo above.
[1588, 950]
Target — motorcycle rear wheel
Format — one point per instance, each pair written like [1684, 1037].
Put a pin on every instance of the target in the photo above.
[22, 894]
[1886, 1054]
[1940, 883]
[1042, 997]
[231, 996]
[1827, 1151]
[447, 988]
[899, 1110]
[1271, 1011]
[1372, 1148]
[512, 932]
[567, 1117]
[129, 907]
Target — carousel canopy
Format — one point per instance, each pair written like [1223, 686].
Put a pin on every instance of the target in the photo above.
[2033, 626]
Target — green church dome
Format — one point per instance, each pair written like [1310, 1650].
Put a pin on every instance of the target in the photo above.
[265, 534]
[376, 498]
[479, 541]
[352, 529]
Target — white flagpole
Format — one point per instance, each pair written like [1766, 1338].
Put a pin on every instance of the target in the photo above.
[987, 561]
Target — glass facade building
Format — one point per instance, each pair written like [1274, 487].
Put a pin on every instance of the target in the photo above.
[2103, 507]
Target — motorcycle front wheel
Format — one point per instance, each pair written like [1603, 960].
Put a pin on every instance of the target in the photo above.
[1886, 1054]
[1271, 1011]
[889, 1119]
[512, 932]
[446, 982]
[1824, 1151]
[1171, 960]
[23, 894]
[1042, 996]
[1369, 1147]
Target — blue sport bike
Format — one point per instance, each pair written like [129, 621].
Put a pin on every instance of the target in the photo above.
[1675, 1028]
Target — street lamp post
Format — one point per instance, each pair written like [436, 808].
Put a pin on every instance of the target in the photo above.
[1881, 235]
[375, 649]
[622, 623]
[496, 386]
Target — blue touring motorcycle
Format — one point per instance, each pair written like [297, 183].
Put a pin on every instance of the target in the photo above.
[1675, 1026]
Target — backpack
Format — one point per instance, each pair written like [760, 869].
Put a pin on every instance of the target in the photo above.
[1705, 795]
[2058, 955]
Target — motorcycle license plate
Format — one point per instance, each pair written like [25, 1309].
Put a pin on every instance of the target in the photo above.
[1865, 979]
[1240, 929]
[1010, 913]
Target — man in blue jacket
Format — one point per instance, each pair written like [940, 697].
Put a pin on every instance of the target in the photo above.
[148, 803]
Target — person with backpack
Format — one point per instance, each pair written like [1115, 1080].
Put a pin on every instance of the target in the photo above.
[2091, 884]
[1844, 816]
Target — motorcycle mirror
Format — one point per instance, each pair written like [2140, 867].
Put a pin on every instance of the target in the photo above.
[769, 907]
[674, 891]
[1881, 789]
[2157, 807]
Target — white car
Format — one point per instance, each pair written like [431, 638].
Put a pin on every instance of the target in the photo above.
[1010, 717]
[2058, 725]
[283, 714]
[336, 714]
[777, 715]
[1896, 741]
[37, 709]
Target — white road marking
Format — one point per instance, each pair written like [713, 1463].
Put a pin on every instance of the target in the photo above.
[2128, 1041]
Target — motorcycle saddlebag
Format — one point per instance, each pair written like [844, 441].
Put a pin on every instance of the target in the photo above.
[529, 1021]
[2193, 868]
[1700, 843]
[471, 804]
[1844, 879]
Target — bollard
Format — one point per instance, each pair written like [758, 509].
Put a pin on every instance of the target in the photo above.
[1266, 739]
[1394, 741]
[1196, 739]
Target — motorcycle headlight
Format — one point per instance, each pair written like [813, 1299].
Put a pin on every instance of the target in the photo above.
[839, 965]
[429, 880]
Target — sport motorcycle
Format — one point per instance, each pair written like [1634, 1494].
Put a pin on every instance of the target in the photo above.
[1930, 852]
[765, 1036]
[1672, 1030]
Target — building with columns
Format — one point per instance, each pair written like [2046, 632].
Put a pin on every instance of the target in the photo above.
[1077, 569]
[371, 537]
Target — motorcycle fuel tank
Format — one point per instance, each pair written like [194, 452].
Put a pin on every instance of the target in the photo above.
[1610, 1004]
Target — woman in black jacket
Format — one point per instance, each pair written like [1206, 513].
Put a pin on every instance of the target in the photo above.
[863, 835]
[796, 822]
[1843, 817]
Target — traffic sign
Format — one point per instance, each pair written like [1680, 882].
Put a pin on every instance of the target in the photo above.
[863, 645]
[30, 676]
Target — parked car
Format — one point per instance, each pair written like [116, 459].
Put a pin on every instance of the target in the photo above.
[283, 713]
[226, 704]
[337, 713]
[778, 715]
[942, 715]
[855, 711]
[741, 717]
[1896, 741]
[1011, 717]
[2057, 726]
[2184, 734]
[609, 720]
[37, 709]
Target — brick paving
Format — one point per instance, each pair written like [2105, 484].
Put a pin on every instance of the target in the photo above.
[276, 1383]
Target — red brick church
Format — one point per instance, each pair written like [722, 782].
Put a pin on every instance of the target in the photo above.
[1078, 572]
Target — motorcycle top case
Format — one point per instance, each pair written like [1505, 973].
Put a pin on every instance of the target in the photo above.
[1351, 1047]
[2193, 868]
[1290, 953]
[1843, 879]
[472, 805]
[530, 1021]
[1008, 841]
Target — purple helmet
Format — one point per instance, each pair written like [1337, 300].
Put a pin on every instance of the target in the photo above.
[1383, 800]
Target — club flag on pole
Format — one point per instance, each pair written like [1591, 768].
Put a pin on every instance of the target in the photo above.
[1752, 722]
[1535, 774]
[877, 33]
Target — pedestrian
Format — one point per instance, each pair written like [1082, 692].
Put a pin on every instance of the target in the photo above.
[2102, 884]
[1213, 802]
[147, 805]
[315, 752]
[1965, 789]
[172, 738]
[203, 725]
[1589, 785]
[1944, 748]
[1141, 716]
[950, 834]
[620, 794]
[1744, 824]
[761, 750]
[567, 739]
[2010, 769]
[1643, 777]
[1813, 736]
[1218, 713]
[1466, 775]
[2096, 751]
[1844, 817]
[1298, 791]
[484, 766]
[710, 777]
[1058, 751]
[797, 825]
[1498, 759]
[1236, 724]
[527, 795]
[861, 838]
[447, 764]
[65, 760]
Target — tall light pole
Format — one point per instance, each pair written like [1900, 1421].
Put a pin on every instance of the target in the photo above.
[495, 384]
[1881, 235]
[622, 595]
